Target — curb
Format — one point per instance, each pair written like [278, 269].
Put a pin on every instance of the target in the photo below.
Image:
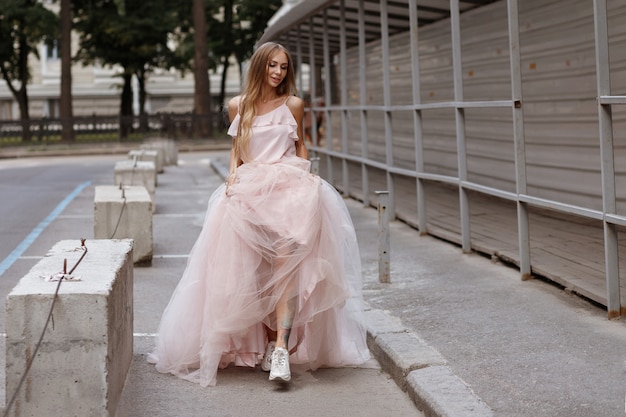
[420, 370]
[112, 148]
[220, 167]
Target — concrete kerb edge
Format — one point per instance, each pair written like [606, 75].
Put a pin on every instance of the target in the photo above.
[221, 167]
[420, 370]
[437, 392]
[102, 149]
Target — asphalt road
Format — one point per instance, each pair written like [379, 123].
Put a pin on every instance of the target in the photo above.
[34, 192]
[30, 189]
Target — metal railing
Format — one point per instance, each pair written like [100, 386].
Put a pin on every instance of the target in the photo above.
[336, 150]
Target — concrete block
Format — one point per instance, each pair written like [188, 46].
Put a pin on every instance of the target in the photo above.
[169, 147]
[378, 322]
[160, 150]
[401, 353]
[437, 392]
[132, 172]
[125, 214]
[146, 155]
[86, 351]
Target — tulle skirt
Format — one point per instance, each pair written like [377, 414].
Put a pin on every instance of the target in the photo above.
[279, 231]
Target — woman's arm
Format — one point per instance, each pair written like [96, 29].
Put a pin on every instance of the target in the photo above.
[296, 105]
[235, 161]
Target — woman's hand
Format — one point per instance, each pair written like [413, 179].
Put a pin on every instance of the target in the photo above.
[230, 180]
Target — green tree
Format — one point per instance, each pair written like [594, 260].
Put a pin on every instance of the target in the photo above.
[129, 34]
[243, 23]
[232, 28]
[23, 25]
[202, 125]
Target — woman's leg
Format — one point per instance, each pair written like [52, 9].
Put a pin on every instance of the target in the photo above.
[285, 312]
[271, 334]
[286, 306]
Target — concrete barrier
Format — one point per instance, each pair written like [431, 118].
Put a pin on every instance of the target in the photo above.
[146, 155]
[81, 366]
[160, 150]
[134, 172]
[169, 147]
[125, 213]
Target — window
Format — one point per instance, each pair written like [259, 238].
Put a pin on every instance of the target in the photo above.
[52, 49]
[5, 110]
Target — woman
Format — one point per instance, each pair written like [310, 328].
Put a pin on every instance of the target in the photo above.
[274, 276]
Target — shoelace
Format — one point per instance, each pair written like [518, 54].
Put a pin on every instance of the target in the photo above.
[281, 358]
[269, 352]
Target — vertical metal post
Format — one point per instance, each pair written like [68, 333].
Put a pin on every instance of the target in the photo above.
[365, 184]
[384, 30]
[327, 100]
[300, 81]
[457, 69]
[417, 118]
[523, 228]
[605, 119]
[383, 237]
[315, 165]
[299, 71]
[313, 84]
[343, 68]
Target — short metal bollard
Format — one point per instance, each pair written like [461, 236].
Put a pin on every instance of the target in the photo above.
[383, 237]
[315, 165]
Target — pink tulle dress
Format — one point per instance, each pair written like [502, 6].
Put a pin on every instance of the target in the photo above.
[279, 230]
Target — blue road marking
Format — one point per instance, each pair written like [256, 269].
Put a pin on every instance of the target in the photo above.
[21, 248]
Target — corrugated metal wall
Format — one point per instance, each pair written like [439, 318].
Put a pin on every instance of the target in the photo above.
[506, 153]
[559, 90]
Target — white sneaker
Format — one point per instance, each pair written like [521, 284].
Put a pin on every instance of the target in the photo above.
[267, 359]
[280, 365]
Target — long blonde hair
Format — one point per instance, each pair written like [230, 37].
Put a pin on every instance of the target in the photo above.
[252, 88]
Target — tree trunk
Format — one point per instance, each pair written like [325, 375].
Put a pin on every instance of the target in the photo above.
[201, 117]
[143, 117]
[225, 65]
[65, 102]
[126, 106]
[228, 40]
[22, 94]
[22, 101]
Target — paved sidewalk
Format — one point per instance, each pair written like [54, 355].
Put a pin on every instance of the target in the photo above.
[525, 348]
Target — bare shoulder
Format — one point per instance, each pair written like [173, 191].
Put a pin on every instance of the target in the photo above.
[233, 107]
[233, 103]
[295, 103]
[296, 106]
